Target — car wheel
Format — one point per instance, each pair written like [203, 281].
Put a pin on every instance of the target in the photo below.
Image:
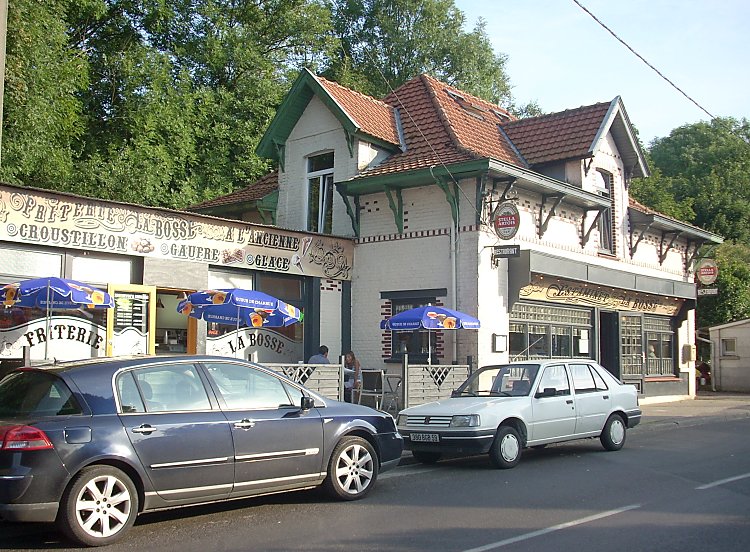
[613, 434]
[98, 507]
[353, 469]
[506, 449]
[426, 457]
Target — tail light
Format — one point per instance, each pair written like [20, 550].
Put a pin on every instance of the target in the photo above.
[23, 438]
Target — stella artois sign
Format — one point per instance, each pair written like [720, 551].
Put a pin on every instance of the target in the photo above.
[707, 271]
[505, 220]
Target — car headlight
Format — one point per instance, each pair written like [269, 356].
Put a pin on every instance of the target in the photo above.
[401, 420]
[472, 420]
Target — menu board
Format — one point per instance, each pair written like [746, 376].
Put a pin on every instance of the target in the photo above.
[131, 311]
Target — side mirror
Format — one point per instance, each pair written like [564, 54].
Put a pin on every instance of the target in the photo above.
[548, 392]
[307, 403]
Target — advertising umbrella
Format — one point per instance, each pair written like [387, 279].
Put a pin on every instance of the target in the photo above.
[54, 294]
[430, 318]
[239, 307]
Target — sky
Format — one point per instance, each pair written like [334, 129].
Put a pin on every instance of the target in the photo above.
[561, 58]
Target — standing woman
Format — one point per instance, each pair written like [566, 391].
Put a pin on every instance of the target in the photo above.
[352, 375]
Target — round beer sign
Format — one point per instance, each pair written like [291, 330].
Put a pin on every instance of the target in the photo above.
[707, 271]
[506, 220]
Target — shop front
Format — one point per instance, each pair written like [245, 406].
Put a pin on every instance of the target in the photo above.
[148, 260]
[642, 337]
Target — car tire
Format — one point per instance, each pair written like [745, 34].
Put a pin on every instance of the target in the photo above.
[98, 507]
[614, 433]
[426, 457]
[506, 449]
[352, 470]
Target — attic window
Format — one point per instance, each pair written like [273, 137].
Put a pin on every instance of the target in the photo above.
[501, 115]
[475, 110]
[455, 95]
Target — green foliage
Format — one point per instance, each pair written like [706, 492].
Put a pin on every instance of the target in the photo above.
[701, 175]
[42, 112]
[384, 43]
[733, 282]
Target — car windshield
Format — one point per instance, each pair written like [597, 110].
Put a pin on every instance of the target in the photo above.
[506, 380]
[32, 393]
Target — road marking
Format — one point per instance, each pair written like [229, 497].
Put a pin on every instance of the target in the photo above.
[722, 481]
[547, 530]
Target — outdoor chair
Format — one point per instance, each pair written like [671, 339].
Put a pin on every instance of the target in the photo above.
[372, 386]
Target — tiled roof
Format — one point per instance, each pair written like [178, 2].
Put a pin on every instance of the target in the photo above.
[428, 139]
[475, 123]
[565, 135]
[254, 192]
[372, 116]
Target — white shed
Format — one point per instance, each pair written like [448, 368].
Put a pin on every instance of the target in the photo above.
[730, 357]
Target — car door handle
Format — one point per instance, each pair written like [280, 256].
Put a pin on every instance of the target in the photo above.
[144, 428]
[244, 424]
[569, 401]
[605, 397]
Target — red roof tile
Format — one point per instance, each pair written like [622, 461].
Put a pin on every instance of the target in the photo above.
[565, 135]
[257, 190]
[475, 123]
[372, 116]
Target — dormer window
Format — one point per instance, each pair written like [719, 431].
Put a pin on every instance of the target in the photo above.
[320, 193]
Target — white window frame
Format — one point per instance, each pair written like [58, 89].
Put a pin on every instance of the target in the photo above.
[605, 226]
[728, 346]
[323, 179]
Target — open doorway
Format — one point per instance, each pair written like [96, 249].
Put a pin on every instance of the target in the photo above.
[175, 332]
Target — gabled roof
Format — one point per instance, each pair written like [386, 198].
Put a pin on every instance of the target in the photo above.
[256, 191]
[576, 133]
[358, 114]
[442, 126]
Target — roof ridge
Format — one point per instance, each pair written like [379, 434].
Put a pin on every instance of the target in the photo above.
[353, 91]
[569, 111]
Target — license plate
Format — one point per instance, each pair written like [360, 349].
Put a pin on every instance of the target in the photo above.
[426, 437]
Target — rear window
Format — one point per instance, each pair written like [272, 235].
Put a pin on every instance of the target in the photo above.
[30, 393]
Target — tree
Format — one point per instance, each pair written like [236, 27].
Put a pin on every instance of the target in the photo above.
[733, 282]
[701, 175]
[384, 43]
[709, 166]
[42, 111]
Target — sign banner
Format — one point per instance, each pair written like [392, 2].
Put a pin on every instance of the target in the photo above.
[38, 217]
[66, 338]
[257, 345]
[592, 295]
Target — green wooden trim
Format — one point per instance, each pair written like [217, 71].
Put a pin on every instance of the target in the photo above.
[280, 148]
[353, 212]
[397, 206]
[349, 142]
[451, 196]
[413, 179]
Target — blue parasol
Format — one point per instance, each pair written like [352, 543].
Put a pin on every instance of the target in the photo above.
[430, 318]
[54, 293]
[239, 307]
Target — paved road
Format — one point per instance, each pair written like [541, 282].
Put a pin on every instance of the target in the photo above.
[681, 483]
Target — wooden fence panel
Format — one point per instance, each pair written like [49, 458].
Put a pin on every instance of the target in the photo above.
[324, 379]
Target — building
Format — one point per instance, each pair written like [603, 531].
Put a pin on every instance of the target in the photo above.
[148, 259]
[730, 356]
[525, 224]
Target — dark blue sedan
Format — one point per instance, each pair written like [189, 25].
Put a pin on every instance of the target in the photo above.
[90, 444]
